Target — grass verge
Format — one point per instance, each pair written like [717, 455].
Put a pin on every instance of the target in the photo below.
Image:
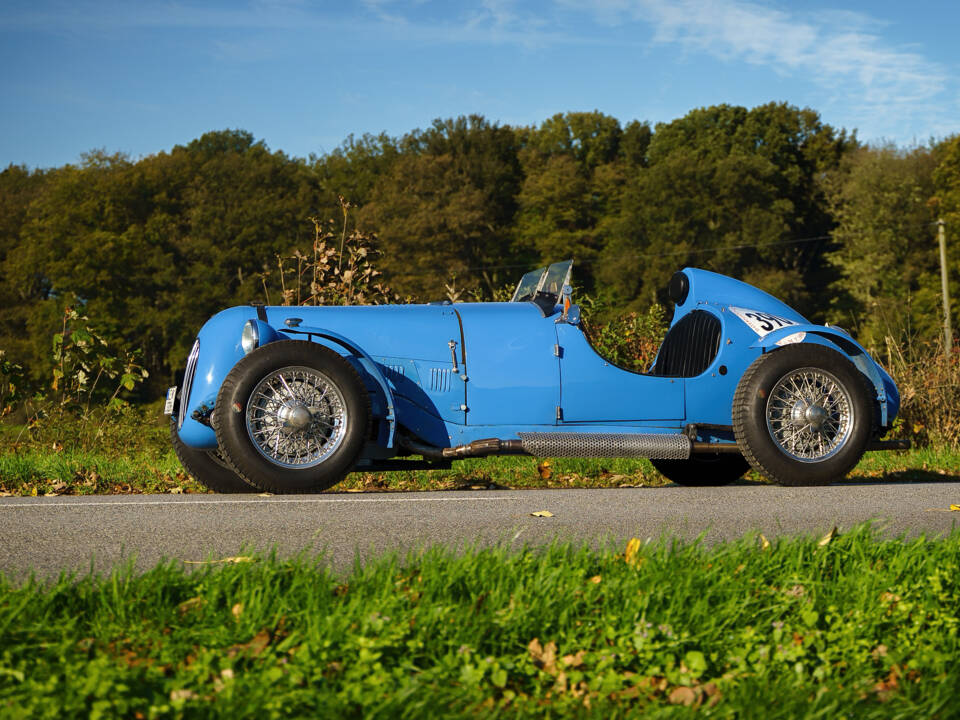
[32, 470]
[850, 626]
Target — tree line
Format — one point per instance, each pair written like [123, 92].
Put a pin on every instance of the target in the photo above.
[150, 248]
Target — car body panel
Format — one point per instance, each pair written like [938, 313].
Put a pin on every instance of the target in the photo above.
[513, 375]
[450, 374]
[596, 391]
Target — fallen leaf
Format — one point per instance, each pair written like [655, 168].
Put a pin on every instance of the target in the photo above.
[954, 508]
[191, 604]
[183, 694]
[682, 695]
[764, 543]
[885, 688]
[544, 657]
[264, 494]
[237, 611]
[633, 547]
[255, 646]
[544, 469]
[541, 513]
[830, 536]
[176, 490]
[596, 579]
[235, 559]
[33, 492]
[574, 660]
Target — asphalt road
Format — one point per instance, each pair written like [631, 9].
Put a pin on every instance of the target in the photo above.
[49, 535]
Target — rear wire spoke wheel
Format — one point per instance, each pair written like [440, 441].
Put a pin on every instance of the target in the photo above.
[803, 414]
[711, 471]
[207, 467]
[292, 417]
[809, 415]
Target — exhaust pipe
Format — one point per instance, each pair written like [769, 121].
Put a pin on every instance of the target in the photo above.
[621, 445]
[654, 446]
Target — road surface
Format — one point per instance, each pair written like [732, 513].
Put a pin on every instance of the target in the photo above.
[49, 535]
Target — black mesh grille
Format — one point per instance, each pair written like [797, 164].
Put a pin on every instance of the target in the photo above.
[690, 346]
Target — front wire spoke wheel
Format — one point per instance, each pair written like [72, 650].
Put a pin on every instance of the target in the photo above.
[296, 417]
[809, 414]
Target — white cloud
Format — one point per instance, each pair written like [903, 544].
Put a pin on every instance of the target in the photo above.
[842, 52]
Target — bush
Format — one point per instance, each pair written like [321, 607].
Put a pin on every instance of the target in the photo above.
[929, 383]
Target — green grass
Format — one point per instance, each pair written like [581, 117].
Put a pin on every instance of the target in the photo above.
[858, 627]
[31, 470]
[133, 455]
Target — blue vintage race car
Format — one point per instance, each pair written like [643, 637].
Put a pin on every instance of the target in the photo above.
[290, 399]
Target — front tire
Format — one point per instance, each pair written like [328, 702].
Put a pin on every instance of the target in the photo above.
[703, 471]
[803, 415]
[206, 467]
[292, 417]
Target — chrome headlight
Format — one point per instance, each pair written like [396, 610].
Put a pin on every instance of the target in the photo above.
[250, 338]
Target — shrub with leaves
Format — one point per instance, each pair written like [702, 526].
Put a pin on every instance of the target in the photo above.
[12, 385]
[628, 340]
[929, 384]
[87, 369]
[331, 272]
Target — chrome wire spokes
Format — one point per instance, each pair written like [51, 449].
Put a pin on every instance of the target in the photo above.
[296, 417]
[809, 414]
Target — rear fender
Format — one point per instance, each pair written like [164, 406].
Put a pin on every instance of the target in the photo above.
[887, 396]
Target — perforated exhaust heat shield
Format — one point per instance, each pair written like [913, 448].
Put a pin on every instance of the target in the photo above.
[642, 445]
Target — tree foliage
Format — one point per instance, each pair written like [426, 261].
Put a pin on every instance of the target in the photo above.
[149, 248]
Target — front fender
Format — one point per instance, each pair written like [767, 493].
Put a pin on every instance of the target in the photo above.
[389, 411]
[220, 350]
[887, 395]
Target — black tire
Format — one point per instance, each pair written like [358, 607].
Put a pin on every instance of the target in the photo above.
[710, 471]
[771, 412]
[207, 467]
[314, 446]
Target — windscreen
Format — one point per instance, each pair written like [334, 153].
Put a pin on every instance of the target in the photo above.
[527, 287]
[556, 276]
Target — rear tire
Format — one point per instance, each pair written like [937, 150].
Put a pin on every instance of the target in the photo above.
[207, 467]
[803, 415]
[711, 471]
[292, 417]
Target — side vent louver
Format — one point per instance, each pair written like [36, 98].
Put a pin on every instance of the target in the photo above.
[440, 379]
[690, 346]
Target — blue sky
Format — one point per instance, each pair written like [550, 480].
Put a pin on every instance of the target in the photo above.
[142, 76]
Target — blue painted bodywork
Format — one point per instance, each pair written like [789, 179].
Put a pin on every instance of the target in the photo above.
[516, 367]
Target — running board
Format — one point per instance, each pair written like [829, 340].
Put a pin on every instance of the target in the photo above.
[613, 445]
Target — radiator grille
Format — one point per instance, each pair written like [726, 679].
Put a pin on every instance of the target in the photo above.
[188, 382]
[690, 346]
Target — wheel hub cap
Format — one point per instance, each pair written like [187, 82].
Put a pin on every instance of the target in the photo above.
[294, 416]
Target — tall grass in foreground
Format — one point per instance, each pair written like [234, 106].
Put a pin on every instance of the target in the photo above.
[851, 626]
